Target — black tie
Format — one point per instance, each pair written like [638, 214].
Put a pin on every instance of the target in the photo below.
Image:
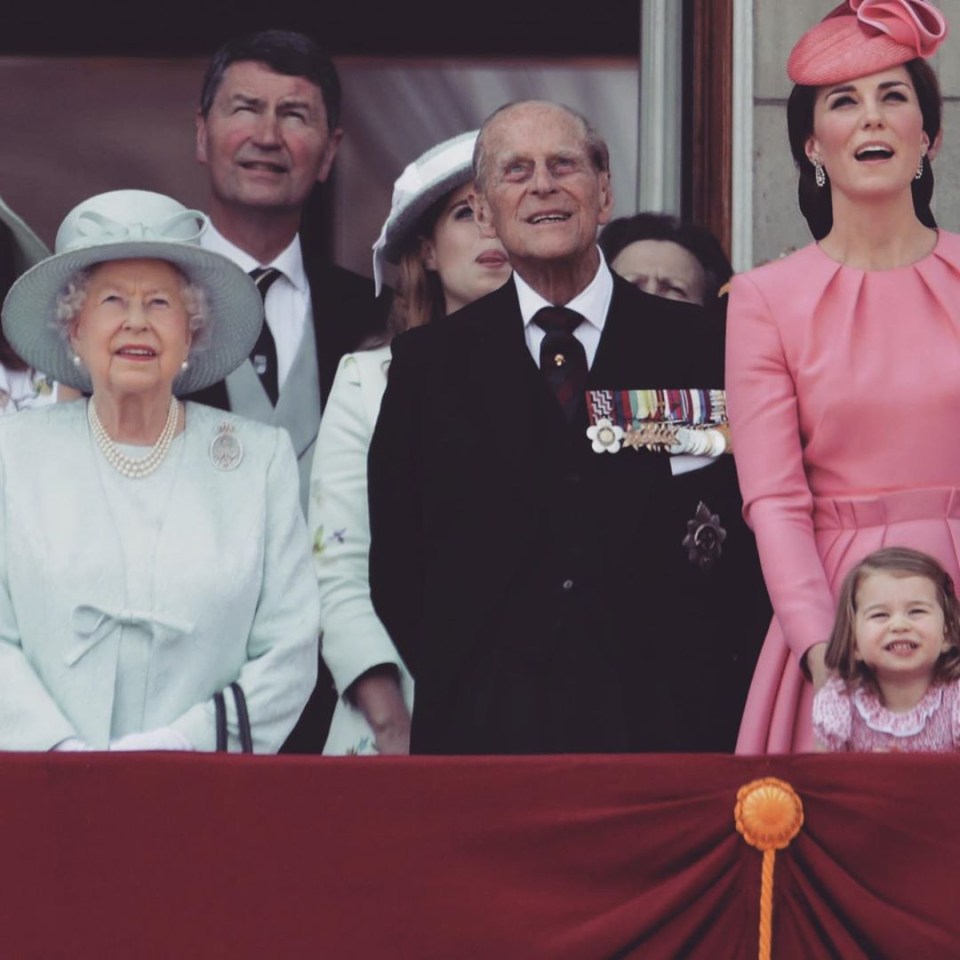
[264, 354]
[562, 358]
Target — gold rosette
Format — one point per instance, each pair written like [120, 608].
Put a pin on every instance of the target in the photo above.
[768, 815]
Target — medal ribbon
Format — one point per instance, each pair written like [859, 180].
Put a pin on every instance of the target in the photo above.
[682, 407]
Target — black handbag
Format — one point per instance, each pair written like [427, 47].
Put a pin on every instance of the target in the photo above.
[243, 719]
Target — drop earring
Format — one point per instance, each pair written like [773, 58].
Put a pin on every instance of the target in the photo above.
[919, 172]
[819, 174]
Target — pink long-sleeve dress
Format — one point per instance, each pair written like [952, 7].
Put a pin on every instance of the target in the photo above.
[843, 391]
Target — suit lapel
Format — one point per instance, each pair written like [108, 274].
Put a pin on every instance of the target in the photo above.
[345, 315]
[627, 358]
[641, 349]
[297, 407]
[324, 320]
[622, 362]
[513, 403]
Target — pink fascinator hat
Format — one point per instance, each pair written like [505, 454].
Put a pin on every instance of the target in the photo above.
[861, 37]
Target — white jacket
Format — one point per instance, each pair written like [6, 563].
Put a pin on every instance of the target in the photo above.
[354, 639]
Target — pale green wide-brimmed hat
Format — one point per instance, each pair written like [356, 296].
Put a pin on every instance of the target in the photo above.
[133, 225]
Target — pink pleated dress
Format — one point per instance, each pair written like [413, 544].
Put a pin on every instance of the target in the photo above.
[843, 391]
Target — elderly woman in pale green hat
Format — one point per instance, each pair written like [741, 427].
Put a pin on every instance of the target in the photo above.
[442, 264]
[152, 552]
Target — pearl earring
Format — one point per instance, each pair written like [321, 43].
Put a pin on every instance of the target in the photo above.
[185, 366]
[76, 361]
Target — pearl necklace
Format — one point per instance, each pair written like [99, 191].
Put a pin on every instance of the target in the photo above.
[134, 467]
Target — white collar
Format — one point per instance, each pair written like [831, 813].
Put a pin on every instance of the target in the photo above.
[592, 302]
[289, 261]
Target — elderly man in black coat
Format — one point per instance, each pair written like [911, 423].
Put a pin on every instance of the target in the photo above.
[516, 542]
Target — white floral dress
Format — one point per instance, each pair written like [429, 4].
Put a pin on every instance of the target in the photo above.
[855, 719]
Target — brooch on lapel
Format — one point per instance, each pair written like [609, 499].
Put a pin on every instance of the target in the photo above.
[671, 421]
[704, 539]
[226, 450]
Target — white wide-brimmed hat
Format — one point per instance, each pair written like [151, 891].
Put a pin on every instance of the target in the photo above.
[133, 225]
[28, 248]
[431, 176]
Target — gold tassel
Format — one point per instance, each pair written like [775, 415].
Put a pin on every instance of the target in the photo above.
[768, 814]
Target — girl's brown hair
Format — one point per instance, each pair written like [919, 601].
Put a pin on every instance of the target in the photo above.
[418, 297]
[841, 654]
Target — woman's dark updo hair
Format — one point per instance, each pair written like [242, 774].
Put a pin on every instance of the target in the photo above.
[815, 202]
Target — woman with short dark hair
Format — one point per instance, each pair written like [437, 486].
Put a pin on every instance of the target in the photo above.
[667, 256]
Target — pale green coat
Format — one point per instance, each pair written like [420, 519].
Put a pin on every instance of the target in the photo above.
[232, 595]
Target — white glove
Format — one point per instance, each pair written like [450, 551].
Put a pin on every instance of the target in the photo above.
[163, 738]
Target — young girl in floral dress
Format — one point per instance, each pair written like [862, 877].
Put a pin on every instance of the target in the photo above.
[895, 657]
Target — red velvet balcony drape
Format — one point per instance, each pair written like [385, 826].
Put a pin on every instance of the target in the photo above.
[567, 858]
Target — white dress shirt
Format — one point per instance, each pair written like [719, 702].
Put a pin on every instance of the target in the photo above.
[287, 304]
[591, 303]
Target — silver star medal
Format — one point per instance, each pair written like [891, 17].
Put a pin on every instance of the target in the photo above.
[226, 450]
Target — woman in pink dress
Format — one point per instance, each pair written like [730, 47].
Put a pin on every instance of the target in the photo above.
[843, 359]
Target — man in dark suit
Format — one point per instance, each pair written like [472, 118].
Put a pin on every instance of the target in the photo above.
[515, 567]
[268, 129]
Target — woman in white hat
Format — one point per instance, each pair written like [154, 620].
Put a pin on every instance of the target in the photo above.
[21, 387]
[152, 553]
[443, 264]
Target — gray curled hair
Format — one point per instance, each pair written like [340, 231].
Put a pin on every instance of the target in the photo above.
[73, 295]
